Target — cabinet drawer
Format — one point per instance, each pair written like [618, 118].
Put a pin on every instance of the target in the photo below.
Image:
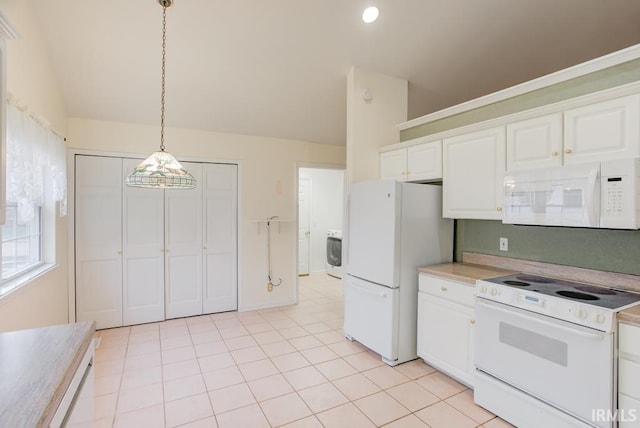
[628, 411]
[629, 339]
[629, 378]
[447, 289]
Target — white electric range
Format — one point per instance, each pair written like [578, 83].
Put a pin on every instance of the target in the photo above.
[545, 350]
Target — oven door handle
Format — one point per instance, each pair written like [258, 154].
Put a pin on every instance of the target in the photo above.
[516, 312]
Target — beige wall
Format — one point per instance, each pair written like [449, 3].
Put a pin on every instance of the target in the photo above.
[267, 184]
[44, 301]
[372, 124]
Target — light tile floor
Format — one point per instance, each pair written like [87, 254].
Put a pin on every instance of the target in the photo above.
[288, 366]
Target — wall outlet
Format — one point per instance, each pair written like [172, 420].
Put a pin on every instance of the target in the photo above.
[504, 244]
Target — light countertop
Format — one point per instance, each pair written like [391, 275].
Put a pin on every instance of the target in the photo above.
[36, 368]
[467, 273]
[631, 315]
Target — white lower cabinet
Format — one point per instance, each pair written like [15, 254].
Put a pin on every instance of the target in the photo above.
[145, 255]
[628, 376]
[446, 326]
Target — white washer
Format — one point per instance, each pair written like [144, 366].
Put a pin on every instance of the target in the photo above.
[334, 253]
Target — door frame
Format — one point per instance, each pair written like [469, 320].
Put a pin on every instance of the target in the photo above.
[312, 165]
[71, 170]
[309, 191]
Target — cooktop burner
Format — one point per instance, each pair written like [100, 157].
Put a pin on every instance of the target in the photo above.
[576, 295]
[517, 283]
[603, 297]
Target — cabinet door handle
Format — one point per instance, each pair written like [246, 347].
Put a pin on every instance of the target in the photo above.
[567, 151]
[499, 208]
[443, 288]
[554, 153]
[472, 321]
[119, 251]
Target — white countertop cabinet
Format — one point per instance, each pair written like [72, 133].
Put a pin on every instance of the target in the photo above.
[628, 376]
[446, 326]
[472, 174]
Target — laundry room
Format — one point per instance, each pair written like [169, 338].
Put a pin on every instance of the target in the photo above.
[320, 218]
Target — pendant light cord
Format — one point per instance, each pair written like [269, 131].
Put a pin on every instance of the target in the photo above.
[164, 54]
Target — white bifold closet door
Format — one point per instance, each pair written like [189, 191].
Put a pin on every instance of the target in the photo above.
[201, 243]
[143, 251]
[98, 240]
[220, 204]
[183, 246]
[144, 255]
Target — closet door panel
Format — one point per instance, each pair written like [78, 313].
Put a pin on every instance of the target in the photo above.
[143, 245]
[183, 246]
[98, 242]
[220, 191]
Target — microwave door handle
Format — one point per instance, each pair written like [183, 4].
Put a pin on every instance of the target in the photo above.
[592, 199]
[513, 313]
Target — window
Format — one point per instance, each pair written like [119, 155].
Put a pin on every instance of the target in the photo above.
[21, 243]
[35, 179]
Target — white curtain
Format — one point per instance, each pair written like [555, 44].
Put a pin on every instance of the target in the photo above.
[32, 148]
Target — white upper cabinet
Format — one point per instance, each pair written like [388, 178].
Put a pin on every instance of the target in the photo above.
[424, 161]
[420, 162]
[603, 131]
[393, 164]
[535, 143]
[473, 169]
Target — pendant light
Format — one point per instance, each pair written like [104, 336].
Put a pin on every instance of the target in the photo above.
[161, 170]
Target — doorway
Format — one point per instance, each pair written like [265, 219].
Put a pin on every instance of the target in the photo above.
[320, 209]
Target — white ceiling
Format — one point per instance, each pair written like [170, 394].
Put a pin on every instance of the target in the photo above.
[278, 68]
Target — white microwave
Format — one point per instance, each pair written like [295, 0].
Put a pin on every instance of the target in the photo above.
[598, 195]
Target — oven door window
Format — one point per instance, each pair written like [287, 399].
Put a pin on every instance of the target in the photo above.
[334, 251]
[553, 350]
[564, 364]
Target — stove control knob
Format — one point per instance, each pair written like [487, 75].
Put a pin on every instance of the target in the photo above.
[579, 313]
[597, 317]
[494, 291]
[483, 289]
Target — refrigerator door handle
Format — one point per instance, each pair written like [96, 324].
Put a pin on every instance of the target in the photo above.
[373, 293]
[345, 237]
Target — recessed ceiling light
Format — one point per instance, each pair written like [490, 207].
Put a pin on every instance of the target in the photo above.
[370, 14]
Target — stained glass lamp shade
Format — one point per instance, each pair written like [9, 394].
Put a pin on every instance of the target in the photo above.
[161, 170]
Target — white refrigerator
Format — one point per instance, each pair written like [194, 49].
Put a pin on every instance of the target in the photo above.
[392, 228]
